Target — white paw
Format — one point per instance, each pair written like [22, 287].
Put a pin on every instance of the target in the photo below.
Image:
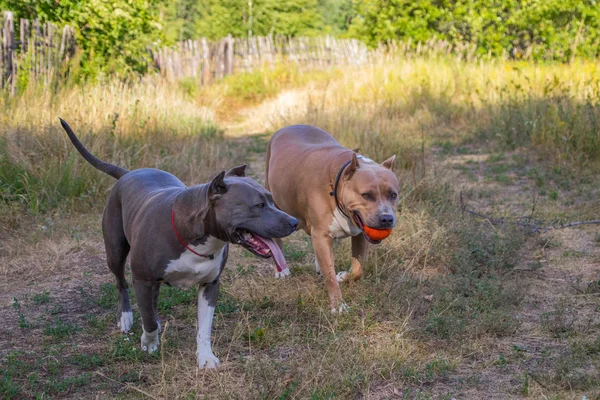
[207, 360]
[341, 309]
[150, 341]
[317, 267]
[126, 321]
[341, 276]
[158, 323]
[282, 274]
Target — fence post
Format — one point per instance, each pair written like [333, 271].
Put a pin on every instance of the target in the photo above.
[9, 51]
[229, 56]
[205, 63]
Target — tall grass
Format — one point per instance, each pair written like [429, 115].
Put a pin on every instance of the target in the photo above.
[150, 123]
[388, 106]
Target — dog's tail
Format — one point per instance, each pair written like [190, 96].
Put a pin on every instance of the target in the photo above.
[110, 169]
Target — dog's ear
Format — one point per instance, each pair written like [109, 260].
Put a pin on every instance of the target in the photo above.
[356, 150]
[389, 163]
[354, 165]
[237, 171]
[217, 186]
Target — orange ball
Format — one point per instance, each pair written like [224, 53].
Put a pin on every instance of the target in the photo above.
[377, 234]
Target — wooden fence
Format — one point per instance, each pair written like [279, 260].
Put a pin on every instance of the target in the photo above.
[209, 61]
[38, 49]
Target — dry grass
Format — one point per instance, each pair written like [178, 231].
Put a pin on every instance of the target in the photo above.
[449, 307]
[144, 124]
[398, 106]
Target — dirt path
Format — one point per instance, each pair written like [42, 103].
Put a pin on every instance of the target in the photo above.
[268, 114]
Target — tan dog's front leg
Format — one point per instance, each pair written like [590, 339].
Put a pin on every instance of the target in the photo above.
[322, 245]
[359, 251]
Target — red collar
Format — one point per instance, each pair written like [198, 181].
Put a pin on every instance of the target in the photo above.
[181, 240]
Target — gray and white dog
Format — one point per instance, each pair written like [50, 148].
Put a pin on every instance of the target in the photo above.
[180, 236]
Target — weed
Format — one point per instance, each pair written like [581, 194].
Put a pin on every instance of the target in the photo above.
[87, 361]
[23, 324]
[437, 368]
[501, 362]
[294, 253]
[60, 329]
[228, 304]
[592, 287]
[525, 385]
[171, 297]
[559, 322]
[42, 298]
[68, 384]
[245, 270]
[535, 265]
[126, 348]
[108, 296]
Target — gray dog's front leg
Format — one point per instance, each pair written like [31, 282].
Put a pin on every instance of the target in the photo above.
[207, 300]
[145, 294]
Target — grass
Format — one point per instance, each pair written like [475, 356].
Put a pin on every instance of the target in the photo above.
[144, 124]
[42, 298]
[449, 305]
[552, 106]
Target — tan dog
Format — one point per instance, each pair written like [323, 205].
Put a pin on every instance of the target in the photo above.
[307, 169]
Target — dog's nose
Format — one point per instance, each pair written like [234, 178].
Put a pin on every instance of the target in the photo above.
[294, 223]
[386, 220]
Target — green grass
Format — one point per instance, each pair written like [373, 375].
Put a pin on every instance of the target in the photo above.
[42, 298]
[59, 329]
[171, 297]
[108, 297]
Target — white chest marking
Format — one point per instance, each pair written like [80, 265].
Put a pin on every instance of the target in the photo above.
[341, 226]
[189, 269]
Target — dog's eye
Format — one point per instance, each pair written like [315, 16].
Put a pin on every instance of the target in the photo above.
[393, 195]
[367, 196]
[260, 205]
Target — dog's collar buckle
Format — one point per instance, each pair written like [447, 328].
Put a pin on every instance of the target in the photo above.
[209, 256]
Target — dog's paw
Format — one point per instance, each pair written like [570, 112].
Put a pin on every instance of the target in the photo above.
[126, 321]
[343, 308]
[207, 361]
[283, 273]
[150, 341]
[341, 276]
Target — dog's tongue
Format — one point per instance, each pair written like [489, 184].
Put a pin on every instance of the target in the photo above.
[276, 252]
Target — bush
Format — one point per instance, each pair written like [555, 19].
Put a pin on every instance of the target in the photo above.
[549, 29]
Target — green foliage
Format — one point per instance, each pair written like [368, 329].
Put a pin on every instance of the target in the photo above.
[550, 29]
[185, 19]
[113, 36]
[218, 18]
